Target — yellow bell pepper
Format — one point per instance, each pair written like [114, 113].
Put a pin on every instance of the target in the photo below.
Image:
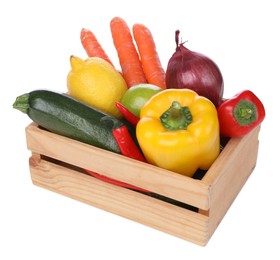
[178, 130]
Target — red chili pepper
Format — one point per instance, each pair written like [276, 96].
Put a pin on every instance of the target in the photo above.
[240, 114]
[128, 115]
[128, 148]
[126, 144]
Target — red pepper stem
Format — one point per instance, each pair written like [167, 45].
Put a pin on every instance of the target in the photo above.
[245, 112]
[126, 144]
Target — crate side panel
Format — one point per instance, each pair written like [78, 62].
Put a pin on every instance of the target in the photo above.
[176, 221]
[118, 167]
[233, 174]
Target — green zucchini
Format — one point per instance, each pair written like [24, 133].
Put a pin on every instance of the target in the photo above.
[66, 116]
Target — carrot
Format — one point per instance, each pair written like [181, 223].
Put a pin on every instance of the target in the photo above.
[92, 46]
[128, 56]
[152, 67]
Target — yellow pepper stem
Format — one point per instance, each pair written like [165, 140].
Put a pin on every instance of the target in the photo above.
[176, 117]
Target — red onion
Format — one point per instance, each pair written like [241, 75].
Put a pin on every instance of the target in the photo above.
[192, 70]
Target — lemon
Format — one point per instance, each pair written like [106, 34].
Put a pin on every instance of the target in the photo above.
[97, 83]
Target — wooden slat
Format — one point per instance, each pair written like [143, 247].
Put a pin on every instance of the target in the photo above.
[143, 209]
[160, 181]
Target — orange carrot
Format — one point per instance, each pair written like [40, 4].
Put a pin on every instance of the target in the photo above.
[128, 56]
[91, 45]
[151, 64]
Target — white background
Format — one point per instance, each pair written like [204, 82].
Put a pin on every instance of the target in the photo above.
[37, 39]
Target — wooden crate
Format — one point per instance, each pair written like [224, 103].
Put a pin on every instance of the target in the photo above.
[185, 207]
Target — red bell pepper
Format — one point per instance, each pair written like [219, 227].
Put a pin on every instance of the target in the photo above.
[240, 114]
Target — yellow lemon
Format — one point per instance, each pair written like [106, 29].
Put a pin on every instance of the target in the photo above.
[97, 83]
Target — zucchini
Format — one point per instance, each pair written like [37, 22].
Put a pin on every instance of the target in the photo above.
[66, 116]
